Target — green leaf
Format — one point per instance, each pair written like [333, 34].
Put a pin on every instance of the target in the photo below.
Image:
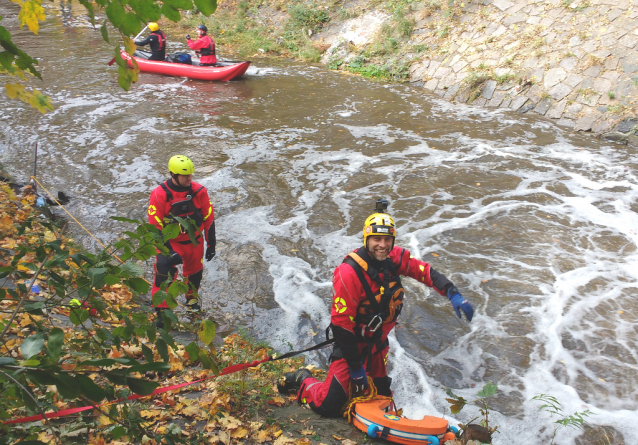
[171, 231]
[55, 342]
[138, 285]
[153, 366]
[147, 9]
[97, 275]
[130, 269]
[171, 13]
[104, 31]
[7, 361]
[151, 333]
[41, 377]
[208, 363]
[78, 316]
[30, 363]
[171, 301]
[34, 307]
[166, 336]
[104, 362]
[206, 331]
[180, 4]
[67, 386]
[158, 298]
[162, 349]
[118, 432]
[146, 252]
[90, 389]
[489, 389]
[193, 351]
[206, 7]
[116, 377]
[148, 353]
[32, 345]
[111, 279]
[142, 387]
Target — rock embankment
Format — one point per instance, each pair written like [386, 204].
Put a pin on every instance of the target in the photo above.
[573, 62]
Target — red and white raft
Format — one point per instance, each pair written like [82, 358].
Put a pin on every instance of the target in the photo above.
[223, 71]
[378, 420]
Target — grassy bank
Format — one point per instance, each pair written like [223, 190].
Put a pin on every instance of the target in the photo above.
[252, 28]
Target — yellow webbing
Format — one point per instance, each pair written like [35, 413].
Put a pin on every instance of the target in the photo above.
[348, 410]
[359, 261]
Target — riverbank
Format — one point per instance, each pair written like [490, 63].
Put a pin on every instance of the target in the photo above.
[52, 339]
[572, 62]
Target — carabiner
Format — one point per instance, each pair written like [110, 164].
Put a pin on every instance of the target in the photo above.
[379, 321]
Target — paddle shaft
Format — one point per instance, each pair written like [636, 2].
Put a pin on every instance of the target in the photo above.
[141, 32]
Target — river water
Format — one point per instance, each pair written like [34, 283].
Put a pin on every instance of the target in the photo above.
[535, 225]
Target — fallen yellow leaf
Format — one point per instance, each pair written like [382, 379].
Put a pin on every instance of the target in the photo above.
[239, 433]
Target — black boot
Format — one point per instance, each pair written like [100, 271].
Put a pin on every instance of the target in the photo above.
[292, 381]
[193, 305]
[159, 322]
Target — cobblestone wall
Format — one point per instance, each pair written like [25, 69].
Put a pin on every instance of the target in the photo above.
[576, 63]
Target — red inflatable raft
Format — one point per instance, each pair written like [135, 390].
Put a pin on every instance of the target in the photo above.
[222, 71]
[378, 420]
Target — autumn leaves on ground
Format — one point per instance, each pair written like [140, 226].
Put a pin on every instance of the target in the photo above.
[104, 347]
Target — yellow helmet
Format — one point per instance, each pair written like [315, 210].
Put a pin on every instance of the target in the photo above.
[153, 26]
[181, 165]
[378, 224]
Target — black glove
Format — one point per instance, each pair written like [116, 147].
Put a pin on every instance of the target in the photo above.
[210, 253]
[188, 36]
[174, 258]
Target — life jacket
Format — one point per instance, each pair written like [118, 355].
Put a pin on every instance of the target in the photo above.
[184, 207]
[208, 50]
[161, 40]
[385, 305]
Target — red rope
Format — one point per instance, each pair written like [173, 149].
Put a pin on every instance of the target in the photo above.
[66, 412]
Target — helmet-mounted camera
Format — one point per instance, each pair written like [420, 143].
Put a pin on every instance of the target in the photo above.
[381, 206]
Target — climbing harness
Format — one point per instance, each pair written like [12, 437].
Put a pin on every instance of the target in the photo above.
[378, 308]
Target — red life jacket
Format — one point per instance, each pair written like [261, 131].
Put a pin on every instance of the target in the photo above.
[208, 50]
[161, 40]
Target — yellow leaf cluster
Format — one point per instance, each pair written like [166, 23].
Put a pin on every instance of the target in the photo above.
[35, 98]
[31, 13]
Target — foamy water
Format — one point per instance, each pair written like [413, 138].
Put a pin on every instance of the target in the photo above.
[536, 226]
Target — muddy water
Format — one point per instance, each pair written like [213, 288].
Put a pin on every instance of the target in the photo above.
[535, 225]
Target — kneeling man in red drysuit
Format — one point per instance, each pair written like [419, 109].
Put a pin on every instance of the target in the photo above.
[180, 196]
[367, 299]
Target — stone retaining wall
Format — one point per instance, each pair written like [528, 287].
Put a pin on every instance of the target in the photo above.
[576, 63]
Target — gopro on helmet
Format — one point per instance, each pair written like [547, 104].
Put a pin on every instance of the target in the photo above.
[382, 206]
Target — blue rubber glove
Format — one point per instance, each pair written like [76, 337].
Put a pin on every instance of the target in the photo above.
[458, 302]
[359, 379]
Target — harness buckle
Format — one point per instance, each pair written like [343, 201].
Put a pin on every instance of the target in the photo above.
[375, 323]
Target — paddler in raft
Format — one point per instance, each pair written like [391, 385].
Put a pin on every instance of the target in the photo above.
[367, 299]
[157, 40]
[204, 46]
